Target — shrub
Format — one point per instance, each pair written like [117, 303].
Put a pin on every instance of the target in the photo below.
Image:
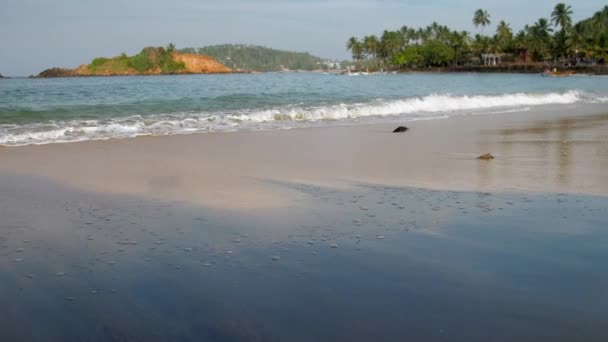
[99, 61]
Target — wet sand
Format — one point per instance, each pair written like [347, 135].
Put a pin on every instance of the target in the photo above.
[312, 234]
[558, 149]
[360, 264]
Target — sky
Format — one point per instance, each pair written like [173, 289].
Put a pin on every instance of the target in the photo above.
[39, 34]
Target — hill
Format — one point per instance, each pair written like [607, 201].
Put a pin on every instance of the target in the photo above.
[150, 61]
[263, 59]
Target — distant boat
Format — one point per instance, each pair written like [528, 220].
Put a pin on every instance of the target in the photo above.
[555, 73]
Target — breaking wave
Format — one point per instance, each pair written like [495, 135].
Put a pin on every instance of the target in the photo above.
[416, 108]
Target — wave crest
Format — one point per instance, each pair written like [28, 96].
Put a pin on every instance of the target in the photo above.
[428, 107]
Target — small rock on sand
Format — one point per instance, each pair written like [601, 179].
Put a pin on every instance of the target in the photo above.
[486, 156]
[400, 129]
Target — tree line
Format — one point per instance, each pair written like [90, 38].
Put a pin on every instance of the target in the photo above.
[556, 38]
[259, 58]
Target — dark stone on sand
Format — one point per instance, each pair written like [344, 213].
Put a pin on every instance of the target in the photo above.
[400, 129]
[486, 156]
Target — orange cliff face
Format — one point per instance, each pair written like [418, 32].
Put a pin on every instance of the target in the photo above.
[199, 64]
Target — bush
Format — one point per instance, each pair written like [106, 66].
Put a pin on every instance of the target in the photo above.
[140, 62]
[97, 62]
[150, 58]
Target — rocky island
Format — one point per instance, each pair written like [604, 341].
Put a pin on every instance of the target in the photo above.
[150, 61]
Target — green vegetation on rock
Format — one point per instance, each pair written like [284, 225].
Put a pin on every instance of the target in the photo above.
[262, 59]
[150, 59]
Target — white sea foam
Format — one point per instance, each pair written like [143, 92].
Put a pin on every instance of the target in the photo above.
[419, 108]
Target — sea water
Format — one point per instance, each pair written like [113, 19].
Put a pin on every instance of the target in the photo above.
[42, 111]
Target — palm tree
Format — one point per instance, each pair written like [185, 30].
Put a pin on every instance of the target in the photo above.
[576, 39]
[459, 42]
[482, 18]
[371, 46]
[540, 37]
[355, 47]
[521, 43]
[504, 36]
[600, 48]
[600, 18]
[561, 16]
[170, 47]
[390, 43]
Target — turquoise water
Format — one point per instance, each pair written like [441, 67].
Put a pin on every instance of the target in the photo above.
[39, 111]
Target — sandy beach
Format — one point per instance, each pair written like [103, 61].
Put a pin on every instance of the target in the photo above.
[354, 231]
[550, 150]
[357, 177]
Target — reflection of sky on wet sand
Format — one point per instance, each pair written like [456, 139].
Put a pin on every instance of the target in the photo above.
[561, 150]
[409, 264]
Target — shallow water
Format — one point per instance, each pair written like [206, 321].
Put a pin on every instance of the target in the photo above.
[366, 263]
[40, 111]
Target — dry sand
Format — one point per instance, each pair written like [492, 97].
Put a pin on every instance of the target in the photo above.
[545, 151]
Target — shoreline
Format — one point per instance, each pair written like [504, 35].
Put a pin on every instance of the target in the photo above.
[540, 151]
[594, 70]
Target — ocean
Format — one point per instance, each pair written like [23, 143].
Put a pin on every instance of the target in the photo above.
[43, 111]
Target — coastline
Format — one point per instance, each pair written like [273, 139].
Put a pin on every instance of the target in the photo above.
[500, 69]
[247, 236]
[596, 70]
[546, 150]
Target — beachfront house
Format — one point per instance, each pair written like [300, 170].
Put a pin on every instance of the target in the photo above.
[490, 59]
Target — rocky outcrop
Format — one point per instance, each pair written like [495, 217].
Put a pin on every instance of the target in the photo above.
[55, 72]
[193, 64]
[199, 64]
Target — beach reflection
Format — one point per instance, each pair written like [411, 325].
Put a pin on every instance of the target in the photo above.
[564, 151]
[371, 262]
